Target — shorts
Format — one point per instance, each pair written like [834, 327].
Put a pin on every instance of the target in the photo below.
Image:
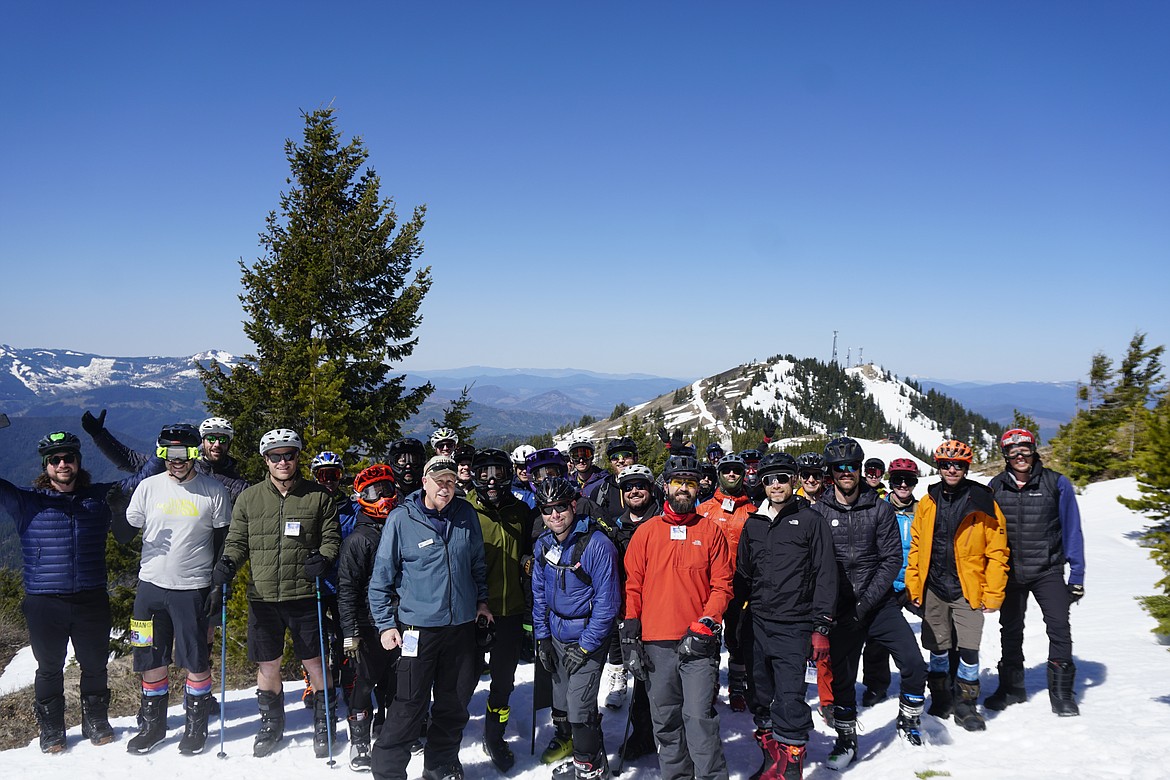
[940, 618]
[179, 622]
[267, 622]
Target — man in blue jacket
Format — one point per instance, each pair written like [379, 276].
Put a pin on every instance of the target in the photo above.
[575, 603]
[428, 587]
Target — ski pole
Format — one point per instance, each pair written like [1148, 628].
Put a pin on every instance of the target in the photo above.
[327, 692]
[222, 664]
[626, 738]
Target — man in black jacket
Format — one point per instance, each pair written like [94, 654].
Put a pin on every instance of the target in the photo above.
[787, 571]
[869, 556]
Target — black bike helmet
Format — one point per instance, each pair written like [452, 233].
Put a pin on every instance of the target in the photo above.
[179, 435]
[843, 450]
[621, 444]
[811, 461]
[682, 466]
[554, 490]
[492, 457]
[58, 441]
[777, 463]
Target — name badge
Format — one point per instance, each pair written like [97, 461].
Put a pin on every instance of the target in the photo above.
[678, 532]
[425, 543]
[553, 555]
[810, 673]
[729, 505]
[292, 528]
[410, 644]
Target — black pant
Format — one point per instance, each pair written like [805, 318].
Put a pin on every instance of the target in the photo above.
[875, 667]
[505, 655]
[1052, 595]
[446, 661]
[779, 657]
[373, 670]
[54, 620]
[886, 626]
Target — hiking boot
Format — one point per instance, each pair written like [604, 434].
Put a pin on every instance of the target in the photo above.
[195, 728]
[271, 704]
[1011, 688]
[615, 680]
[494, 745]
[51, 718]
[967, 706]
[95, 721]
[1061, 675]
[153, 730]
[942, 701]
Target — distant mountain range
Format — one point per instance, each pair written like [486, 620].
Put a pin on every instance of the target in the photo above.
[1050, 404]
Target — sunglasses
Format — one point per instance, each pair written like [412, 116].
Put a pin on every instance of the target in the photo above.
[952, 465]
[444, 446]
[900, 481]
[872, 472]
[626, 488]
[777, 479]
[277, 457]
[845, 468]
[559, 509]
[621, 455]
[814, 476]
[689, 484]
[67, 457]
[217, 438]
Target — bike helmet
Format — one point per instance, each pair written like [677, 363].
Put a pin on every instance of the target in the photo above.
[581, 443]
[412, 454]
[777, 463]
[554, 490]
[681, 466]
[521, 453]
[493, 464]
[464, 453]
[58, 441]
[374, 501]
[547, 458]
[843, 450]
[179, 441]
[750, 456]
[810, 461]
[444, 434]
[903, 466]
[326, 460]
[953, 449]
[635, 472]
[1017, 436]
[875, 463]
[731, 460]
[279, 438]
[216, 425]
[621, 444]
[715, 450]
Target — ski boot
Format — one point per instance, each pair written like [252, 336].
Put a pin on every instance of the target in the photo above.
[590, 767]
[1060, 688]
[448, 772]
[324, 731]
[942, 700]
[271, 706]
[737, 687]
[1011, 687]
[494, 745]
[967, 706]
[51, 718]
[561, 746]
[359, 741]
[195, 727]
[873, 696]
[781, 761]
[154, 724]
[909, 722]
[95, 722]
[845, 748]
[615, 677]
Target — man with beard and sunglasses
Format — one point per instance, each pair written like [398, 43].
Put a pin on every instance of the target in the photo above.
[507, 538]
[869, 556]
[678, 585]
[63, 522]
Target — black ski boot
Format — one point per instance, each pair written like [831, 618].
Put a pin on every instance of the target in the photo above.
[942, 700]
[448, 772]
[594, 767]
[324, 729]
[153, 712]
[1011, 687]
[494, 724]
[51, 718]
[737, 687]
[1060, 688]
[909, 723]
[271, 706]
[195, 728]
[845, 748]
[967, 706]
[360, 724]
[95, 718]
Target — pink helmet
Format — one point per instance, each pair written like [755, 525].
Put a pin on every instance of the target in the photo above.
[1017, 436]
[905, 465]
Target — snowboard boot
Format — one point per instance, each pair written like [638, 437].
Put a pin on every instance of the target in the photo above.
[360, 724]
[195, 729]
[1011, 687]
[737, 687]
[153, 730]
[768, 746]
[789, 763]
[845, 748]
[324, 730]
[494, 745]
[909, 722]
[271, 705]
[615, 678]
[967, 706]
[942, 701]
[95, 720]
[590, 767]
[51, 718]
[561, 746]
[1061, 675]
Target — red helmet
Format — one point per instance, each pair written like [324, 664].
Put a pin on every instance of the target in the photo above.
[1017, 436]
[376, 491]
[904, 465]
[953, 449]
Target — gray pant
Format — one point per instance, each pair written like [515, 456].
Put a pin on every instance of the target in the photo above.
[685, 723]
[577, 695]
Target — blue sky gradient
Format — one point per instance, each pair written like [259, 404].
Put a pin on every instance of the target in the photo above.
[973, 191]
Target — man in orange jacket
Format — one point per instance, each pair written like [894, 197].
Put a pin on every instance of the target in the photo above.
[678, 585]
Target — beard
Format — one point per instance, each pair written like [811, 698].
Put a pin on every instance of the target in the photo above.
[682, 503]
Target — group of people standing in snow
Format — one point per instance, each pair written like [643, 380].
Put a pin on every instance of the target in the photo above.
[793, 563]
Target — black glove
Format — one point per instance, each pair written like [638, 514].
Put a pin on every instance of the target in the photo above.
[547, 655]
[902, 598]
[213, 606]
[662, 434]
[1075, 593]
[769, 430]
[316, 565]
[703, 640]
[526, 562]
[223, 573]
[93, 425]
[574, 659]
[677, 442]
[633, 653]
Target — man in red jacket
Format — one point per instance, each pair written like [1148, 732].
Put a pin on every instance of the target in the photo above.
[678, 584]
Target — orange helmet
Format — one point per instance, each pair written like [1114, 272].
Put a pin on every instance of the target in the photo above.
[953, 449]
[376, 491]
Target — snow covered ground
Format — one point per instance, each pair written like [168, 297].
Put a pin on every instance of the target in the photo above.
[1123, 685]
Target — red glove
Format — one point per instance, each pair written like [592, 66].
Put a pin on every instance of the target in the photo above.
[820, 647]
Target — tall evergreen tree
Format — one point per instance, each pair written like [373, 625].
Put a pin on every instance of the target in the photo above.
[330, 305]
[455, 416]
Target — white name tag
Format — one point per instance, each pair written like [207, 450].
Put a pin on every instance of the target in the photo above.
[410, 644]
[810, 673]
[678, 532]
[292, 528]
[728, 505]
[426, 543]
[553, 555]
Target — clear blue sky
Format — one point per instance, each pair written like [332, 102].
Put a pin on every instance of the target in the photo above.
[965, 190]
